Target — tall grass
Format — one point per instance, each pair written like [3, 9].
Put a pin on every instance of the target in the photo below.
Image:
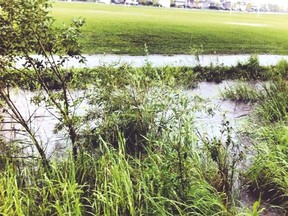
[242, 92]
[267, 176]
[113, 184]
[141, 157]
[269, 173]
[274, 107]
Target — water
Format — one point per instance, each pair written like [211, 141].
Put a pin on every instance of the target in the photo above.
[161, 60]
[40, 119]
[211, 93]
[43, 121]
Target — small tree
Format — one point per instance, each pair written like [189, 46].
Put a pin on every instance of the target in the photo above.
[27, 28]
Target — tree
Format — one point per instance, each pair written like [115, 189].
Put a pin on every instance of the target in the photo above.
[27, 28]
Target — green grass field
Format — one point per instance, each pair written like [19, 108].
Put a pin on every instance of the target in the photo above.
[124, 30]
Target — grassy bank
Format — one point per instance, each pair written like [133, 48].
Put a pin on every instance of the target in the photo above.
[125, 30]
[183, 77]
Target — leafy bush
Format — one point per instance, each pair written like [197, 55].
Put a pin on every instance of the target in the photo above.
[134, 102]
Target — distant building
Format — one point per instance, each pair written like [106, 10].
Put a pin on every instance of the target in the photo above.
[228, 5]
[180, 3]
[240, 5]
[105, 1]
[165, 3]
[198, 4]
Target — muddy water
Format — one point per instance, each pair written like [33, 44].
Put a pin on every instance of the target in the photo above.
[160, 60]
[209, 123]
[43, 121]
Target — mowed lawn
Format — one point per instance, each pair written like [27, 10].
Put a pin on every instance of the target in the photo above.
[121, 29]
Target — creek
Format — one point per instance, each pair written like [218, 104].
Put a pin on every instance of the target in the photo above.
[162, 60]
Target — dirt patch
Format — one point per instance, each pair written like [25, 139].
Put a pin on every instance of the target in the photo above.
[247, 198]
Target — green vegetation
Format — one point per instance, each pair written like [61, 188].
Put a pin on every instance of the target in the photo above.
[125, 30]
[135, 150]
[242, 92]
[184, 77]
[267, 176]
[269, 172]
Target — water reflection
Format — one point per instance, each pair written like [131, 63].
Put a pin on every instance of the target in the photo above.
[43, 121]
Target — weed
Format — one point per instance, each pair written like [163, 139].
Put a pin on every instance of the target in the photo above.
[255, 211]
[268, 173]
[226, 154]
[273, 107]
[242, 92]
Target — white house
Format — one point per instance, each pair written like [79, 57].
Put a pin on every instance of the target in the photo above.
[164, 3]
[180, 3]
